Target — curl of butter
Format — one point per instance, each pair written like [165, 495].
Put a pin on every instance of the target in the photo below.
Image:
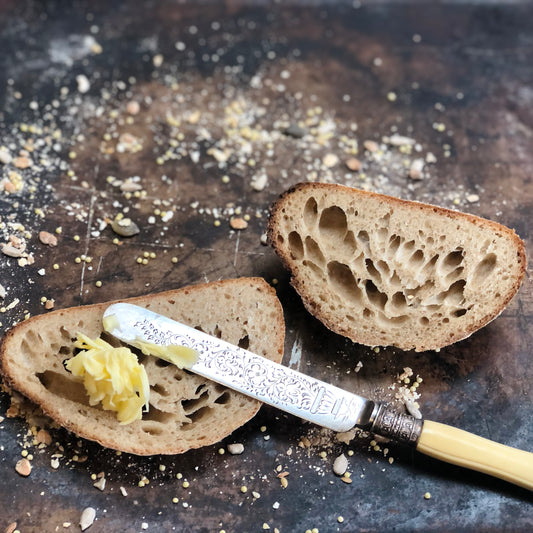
[112, 376]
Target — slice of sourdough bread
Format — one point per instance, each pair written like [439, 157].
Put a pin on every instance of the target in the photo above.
[186, 410]
[389, 272]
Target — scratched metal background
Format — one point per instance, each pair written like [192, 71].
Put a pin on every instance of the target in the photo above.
[482, 50]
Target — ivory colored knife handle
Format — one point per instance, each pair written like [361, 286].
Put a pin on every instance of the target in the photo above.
[461, 448]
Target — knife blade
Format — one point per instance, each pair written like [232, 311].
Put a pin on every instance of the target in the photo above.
[314, 400]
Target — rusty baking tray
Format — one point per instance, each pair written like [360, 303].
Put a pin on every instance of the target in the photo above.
[176, 113]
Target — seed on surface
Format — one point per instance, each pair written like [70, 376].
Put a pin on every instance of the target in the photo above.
[238, 223]
[43, 437]
[133, 107]
[87, 518]
[47, 238]
[330, 160]
[371, 146]
[125, 227]
[100, 484]
[295, 131]
[416, 169]
[22, 162]
[235, 449]
[340, 465]
[353, 164]
[5, 157]
[23, 467]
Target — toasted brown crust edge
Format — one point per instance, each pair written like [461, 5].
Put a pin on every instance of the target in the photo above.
[19, 385]
[275, 213]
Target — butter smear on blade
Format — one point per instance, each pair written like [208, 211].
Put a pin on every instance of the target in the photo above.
[112, 376]
[181, 356]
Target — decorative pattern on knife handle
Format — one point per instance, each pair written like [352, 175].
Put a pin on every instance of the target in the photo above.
[258, 376]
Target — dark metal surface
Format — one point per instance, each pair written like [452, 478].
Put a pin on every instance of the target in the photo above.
[455, 77]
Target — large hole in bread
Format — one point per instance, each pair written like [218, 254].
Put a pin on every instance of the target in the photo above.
[199, 414]
[159, 389]
[152, 429]
[32, 339]
[315, 269]
[195, 403]
[343, 282]
[244, 342]
[373, 272]
[454, 274]
[375, 296]
[381, 235]
[364, 240]
[313, 252]
[416, 259]
[296, 246]
[65, 335]
[398, 300]
[484, 268]
[156, 415]
[310, 212]
[394, 244]
[455, 294]
[224, 398]
[453, 259]
[349, 244]
[332, 223]
[386, 321]
[63, 386]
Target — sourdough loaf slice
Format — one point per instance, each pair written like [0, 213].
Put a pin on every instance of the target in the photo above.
[186, 410]
[389, 272]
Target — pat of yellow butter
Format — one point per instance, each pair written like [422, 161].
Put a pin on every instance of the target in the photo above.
[112, 376]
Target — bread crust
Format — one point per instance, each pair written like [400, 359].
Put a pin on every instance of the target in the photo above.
[32, 354]
[286, 217]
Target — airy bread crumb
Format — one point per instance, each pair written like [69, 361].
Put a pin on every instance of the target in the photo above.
[384, 271]
[186, 411]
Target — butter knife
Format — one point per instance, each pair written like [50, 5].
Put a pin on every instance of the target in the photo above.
[314, 400]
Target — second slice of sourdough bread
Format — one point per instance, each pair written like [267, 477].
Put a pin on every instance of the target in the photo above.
[389, 272]
[186, 410]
